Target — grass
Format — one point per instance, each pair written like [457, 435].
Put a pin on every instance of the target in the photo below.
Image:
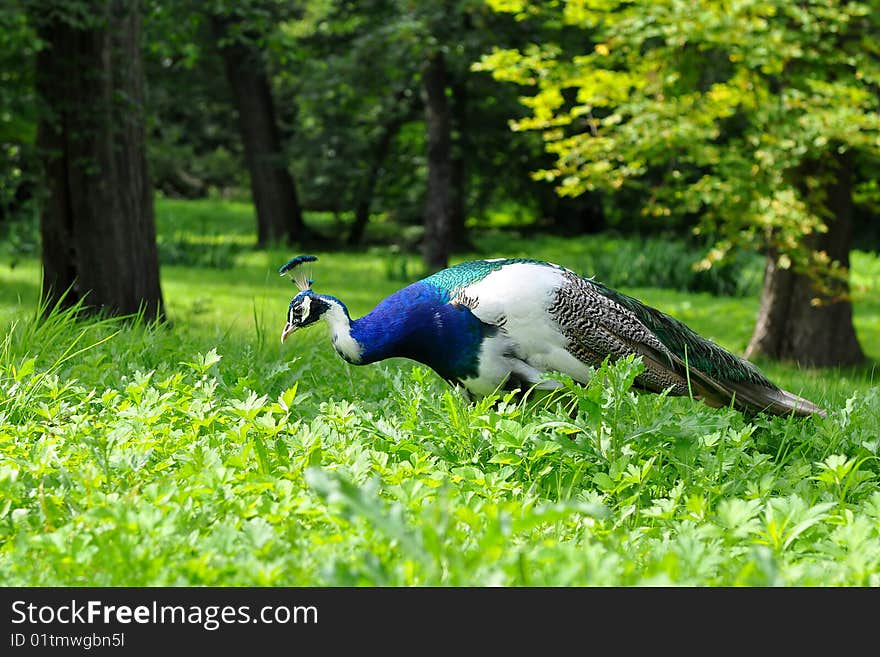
[204, 453]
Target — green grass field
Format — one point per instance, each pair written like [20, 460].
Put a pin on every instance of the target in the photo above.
[205, 453]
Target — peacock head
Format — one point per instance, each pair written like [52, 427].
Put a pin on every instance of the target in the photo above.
[305, 308]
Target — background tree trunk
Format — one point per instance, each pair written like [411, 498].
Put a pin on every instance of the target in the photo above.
[438, 205]
[400, 113]
[279, 215]
[790, 325]
[459, 174]
[98, 228]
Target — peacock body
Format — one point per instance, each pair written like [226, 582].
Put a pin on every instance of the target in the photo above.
[503, 323]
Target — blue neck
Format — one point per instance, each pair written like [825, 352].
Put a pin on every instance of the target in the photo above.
[418, 323]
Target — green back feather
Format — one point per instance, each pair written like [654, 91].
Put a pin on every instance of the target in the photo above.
[472, 271]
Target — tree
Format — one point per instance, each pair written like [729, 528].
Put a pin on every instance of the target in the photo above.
[346, 81]
[97, 225]
[279, 215]
[194, 144]
[450, 35]
[358, 73]
[345, 72]
[399, 112]
[360, 87]
[746, 118]
[437, 241]
[796, 320]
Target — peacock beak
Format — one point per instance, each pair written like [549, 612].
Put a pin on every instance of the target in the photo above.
[288, 329]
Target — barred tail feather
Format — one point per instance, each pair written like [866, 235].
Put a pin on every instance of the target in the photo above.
[751, 396]
[774, 400]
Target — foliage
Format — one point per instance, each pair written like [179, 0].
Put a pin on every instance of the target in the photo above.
[230, 466]
[741, 115]
[347, 73]
[343, 74]
[194, 144]
[18, 121]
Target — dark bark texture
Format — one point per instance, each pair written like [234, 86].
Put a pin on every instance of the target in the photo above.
[279, 214]
[98, 228]
[459, 109]
[790, 325]
[437, 241]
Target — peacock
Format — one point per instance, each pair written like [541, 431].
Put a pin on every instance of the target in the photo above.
[503, 323]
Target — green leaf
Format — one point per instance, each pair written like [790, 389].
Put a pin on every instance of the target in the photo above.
[286, 398]
[24, 370]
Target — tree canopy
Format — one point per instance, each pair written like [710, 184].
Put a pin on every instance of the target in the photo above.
[731, 113]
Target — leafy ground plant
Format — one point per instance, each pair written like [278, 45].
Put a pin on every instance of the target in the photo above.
[200, 452]
[226, 466]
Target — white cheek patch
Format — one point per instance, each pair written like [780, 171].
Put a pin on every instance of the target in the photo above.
[306, 307]
[340, 333]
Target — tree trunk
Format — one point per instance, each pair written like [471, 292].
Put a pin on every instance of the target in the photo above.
[279, 215]
[365, 196]
[580, 215]
[790, 324]
[459, 174]
[98, 228]
[438, 204]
